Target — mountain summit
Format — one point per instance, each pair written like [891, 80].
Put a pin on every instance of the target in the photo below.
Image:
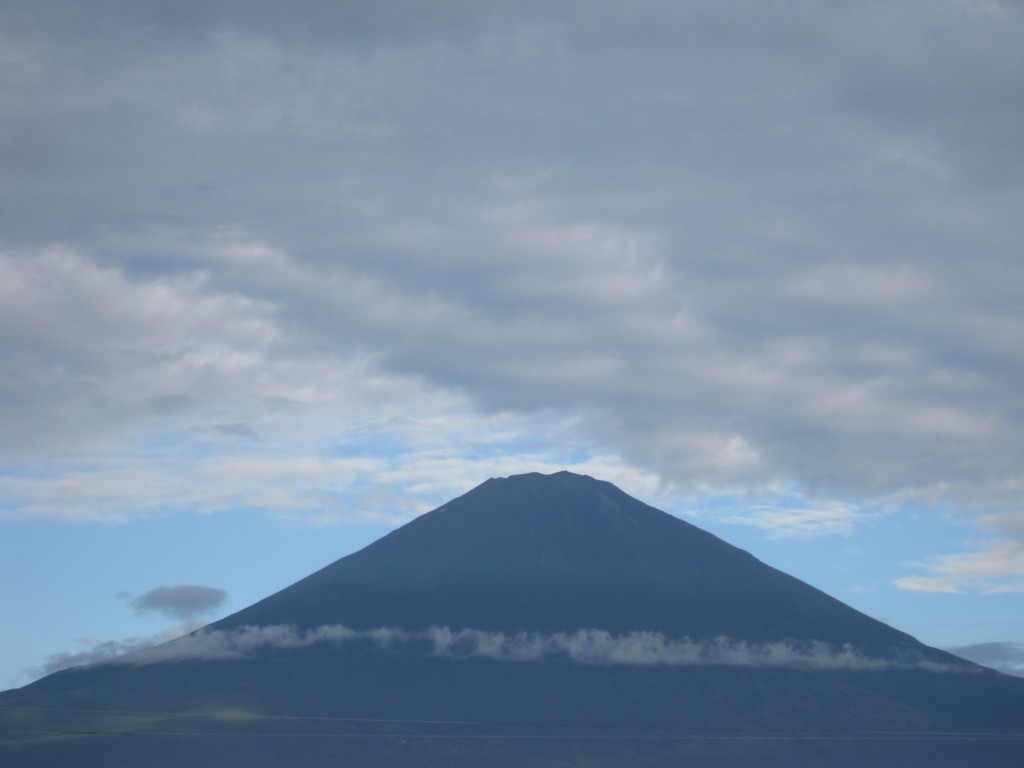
[537, 620]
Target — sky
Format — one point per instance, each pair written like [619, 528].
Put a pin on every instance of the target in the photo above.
[275, 278]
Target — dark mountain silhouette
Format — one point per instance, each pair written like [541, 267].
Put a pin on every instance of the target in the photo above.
[536, 620]
[566, 552]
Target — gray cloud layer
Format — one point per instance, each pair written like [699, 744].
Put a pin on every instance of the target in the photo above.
[591, 646]
[1007, 657]
[181, 602]
[742, 246]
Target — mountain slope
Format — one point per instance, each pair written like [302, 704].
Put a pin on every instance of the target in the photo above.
[566, 552]
[580, 627]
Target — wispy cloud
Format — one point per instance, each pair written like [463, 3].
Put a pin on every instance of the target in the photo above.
[592, 646]
[105, 651]
[405, 477]
[821, 518]
[995, 569]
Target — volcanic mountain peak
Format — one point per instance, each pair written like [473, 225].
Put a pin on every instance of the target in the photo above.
[562, 553]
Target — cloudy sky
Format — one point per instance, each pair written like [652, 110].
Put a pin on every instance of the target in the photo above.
[278, 277]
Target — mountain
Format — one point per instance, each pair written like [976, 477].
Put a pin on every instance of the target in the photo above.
[561, 553]
[536, 620]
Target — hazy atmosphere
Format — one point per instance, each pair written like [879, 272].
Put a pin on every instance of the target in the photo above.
[276, 278]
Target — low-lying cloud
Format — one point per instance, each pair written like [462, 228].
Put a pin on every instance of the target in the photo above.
[585, 646]
[108, 651]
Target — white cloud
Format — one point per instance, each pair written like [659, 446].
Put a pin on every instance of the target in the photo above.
[590, 646]
[413, 466]
[822, 518]
[995, 569]
[105, 651]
